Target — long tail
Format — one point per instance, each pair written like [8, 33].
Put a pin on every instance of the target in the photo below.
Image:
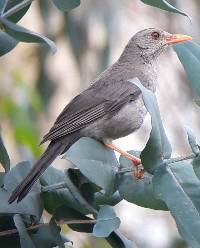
[54, 149]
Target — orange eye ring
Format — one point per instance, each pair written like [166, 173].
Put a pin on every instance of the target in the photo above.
[155, 35]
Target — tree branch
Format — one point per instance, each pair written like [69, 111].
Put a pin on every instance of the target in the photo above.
[61, 222]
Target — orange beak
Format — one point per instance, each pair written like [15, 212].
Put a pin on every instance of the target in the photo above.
[177, 38]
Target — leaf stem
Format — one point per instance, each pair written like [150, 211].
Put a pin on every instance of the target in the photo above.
[54, 187]
[16, 8]
[61, 222]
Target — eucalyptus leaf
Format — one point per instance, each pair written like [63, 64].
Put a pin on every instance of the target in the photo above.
[68, 214]
[7, 43]
[45, 236]
[107, 221]
[22, 34]
[192, 141]
[55, 230]
[164, 5]
[57, 198]
[31, 204]
[25, 239]
[158, 146]
[3, 4]
[179, 188]
[95, 161]
[118, 240]
[189, 55]
[66, 5]
[139, 192]
[19, 14]
[4, 157]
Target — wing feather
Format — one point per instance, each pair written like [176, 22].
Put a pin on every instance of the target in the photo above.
[89, 106]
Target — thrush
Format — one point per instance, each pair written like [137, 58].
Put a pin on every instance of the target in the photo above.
[111, 108]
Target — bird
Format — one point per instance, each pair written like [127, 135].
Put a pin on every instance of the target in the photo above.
[110, 108]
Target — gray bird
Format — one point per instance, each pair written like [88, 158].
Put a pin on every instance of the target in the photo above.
[111, 108]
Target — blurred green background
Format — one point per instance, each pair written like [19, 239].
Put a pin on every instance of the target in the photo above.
[35, 85]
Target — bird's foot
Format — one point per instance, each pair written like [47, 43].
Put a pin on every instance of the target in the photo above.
[138, 169]
[138, 173]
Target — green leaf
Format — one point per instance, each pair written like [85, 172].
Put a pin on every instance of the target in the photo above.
[18, 15]
[25, 239]
[95, 161]
[7, 43]
[31, 204]
[57, 198]
[107, 221]
[118, 240]
[4, 157]
[158, 146]
[139, 192]
[69, 214]
[48, 236]
[192, 141]
[196, 166]
[179, 188]
[78, 195]
[22, 34]
[66, 5]
[189, 55]
[164, 5]
[55, 229]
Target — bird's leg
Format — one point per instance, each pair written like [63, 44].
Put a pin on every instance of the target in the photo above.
[139, 173]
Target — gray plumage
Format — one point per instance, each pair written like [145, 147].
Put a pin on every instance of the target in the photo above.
[109, 109]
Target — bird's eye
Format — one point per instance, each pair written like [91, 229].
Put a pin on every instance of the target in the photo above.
[155, 35]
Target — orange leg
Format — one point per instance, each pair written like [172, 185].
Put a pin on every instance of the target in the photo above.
[139, 173]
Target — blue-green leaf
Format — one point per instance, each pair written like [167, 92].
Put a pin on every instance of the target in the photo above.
[4, 157]
[189, 55]
[66, 5]
[22, 34]
[31, 204]
[158, 146]
[57, 198]
[179, 188]
[139, 192]
[7, 43]
[25, 239]
[107, 221]
[192, 141]
[18, 15]
[164, 5]
[118, 240]
[69, 214]
[95, 161]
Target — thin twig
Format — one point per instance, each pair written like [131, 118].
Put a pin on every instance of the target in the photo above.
[16, 8]
[179, 159]
[14, 231]
[166, 161]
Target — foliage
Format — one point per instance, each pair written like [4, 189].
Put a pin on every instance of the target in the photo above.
[83, 196]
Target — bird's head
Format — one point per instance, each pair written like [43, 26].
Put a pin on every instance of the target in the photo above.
[151, 42]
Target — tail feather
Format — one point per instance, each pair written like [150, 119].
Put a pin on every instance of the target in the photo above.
[54, 149]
